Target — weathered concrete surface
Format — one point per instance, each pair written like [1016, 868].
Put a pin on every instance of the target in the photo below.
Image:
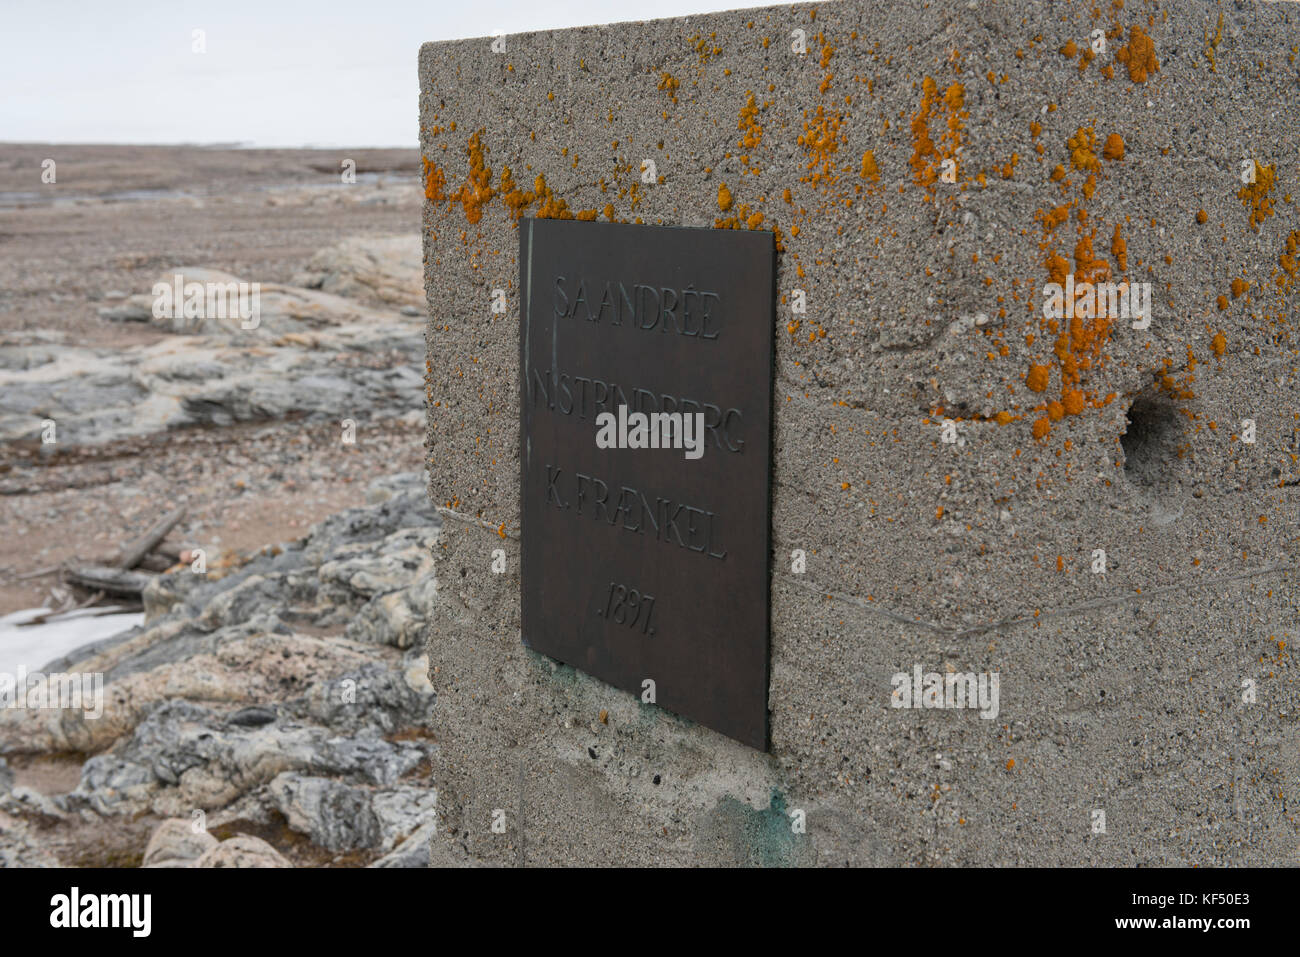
[1120, 692]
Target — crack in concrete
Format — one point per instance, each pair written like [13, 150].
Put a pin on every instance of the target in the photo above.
[1029, 619]
[522, 860]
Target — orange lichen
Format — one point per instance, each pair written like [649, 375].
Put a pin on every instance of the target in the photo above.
[516, 199]
[669, 84]
[1202, 217]
[1139, 55]
[1041, 428]
[435, 182]
[724, 197]
[1289, 260]
[706, 49]
[1255, 196]
[1219, 344]
[1212, 45]
[1119, 249]
[1058, 267]
[1083, 149]
[1114, 148]
[1087, 267]
[477, 190]
[922, 145]
[748, 123]
[820, 140]
[926, 154]
[869, 168]
[1038, 377]
[552, 206]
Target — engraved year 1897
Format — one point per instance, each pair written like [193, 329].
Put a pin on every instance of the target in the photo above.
[624, 606]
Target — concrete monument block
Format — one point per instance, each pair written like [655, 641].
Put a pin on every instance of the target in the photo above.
[1034, 436]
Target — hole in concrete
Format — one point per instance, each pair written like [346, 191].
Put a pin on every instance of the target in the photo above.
[1151, 440]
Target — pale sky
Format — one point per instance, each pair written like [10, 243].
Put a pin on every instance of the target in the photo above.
[323, 73]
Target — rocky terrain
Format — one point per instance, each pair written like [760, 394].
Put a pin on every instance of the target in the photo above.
[242, 428]
[286, 695]
[271, 709]
[312, 354]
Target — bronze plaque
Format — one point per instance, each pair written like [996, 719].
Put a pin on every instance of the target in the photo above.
[646, 378]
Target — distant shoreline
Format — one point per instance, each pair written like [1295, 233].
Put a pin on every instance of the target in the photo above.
[104, 170]
[315, 147]
[250, 147]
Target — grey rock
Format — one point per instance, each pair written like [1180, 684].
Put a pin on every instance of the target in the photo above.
[375, 569]
[111, 785]
[372, 696]
[209, 375]
[175, 843]
[130, 312]
[368, 757]
[412, 852]
[252, 717]
[386, 486]
[396, 619]
[23, 845]
[25, 800]
[338, 817]
[402, 812]
[216, 697]
[243, 850]
[379, 270]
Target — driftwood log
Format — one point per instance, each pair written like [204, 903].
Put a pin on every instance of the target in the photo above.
[109, 580]
[120, 579]
[52, 615]
[135, 552]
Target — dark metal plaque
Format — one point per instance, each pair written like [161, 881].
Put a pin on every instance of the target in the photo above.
[646, 377]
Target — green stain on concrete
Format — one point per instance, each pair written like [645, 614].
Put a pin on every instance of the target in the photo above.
[764, 836]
